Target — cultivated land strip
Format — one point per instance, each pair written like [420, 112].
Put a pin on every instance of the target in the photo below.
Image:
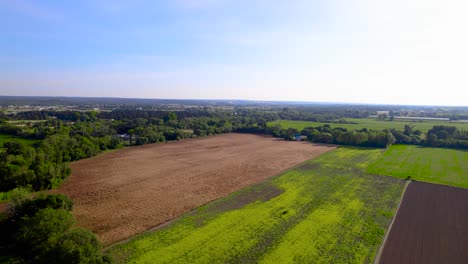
[328, 210]
[431, 226]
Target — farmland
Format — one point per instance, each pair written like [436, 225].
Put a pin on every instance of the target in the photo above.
[431, 226]
[436, 165]
[123, 193]
[327, 209]
[360, 123]
[5, 138]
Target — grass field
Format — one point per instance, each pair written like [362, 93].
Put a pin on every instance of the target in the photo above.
[327, 210]
[26, 121]
[370, 124]
[5, 138]
[435, 165]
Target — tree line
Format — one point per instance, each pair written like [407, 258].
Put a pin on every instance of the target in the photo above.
[40, 229]
[45, 165]
[438, 136]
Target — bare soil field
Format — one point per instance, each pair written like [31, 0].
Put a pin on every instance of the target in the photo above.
[123, 193]
[431, 226]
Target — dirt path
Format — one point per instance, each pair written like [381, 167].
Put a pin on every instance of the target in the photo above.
[123, 193]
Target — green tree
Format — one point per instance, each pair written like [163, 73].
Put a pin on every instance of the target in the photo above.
[77, 246]
[38, 235]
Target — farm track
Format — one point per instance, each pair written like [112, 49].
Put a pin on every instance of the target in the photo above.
[431, 226]
[124, 193]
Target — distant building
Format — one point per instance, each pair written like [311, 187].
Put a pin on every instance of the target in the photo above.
[383, 113]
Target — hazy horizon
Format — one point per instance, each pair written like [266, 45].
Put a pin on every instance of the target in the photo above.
[362, 51]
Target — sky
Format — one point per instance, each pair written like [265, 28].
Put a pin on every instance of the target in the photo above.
[358, 51]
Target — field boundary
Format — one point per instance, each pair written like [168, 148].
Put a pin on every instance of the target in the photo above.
[220, 199]
[379, 252]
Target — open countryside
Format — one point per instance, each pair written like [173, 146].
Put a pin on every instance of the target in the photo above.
[197, 185]
[369, 123]
[327, 210]
[222, 131]
[126, 192]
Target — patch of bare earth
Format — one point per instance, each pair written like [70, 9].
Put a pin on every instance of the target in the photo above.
[123, 193]
[431, 226]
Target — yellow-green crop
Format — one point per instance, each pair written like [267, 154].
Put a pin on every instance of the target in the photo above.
[327, 210]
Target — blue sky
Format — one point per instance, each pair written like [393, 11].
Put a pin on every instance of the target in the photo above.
[368, 51]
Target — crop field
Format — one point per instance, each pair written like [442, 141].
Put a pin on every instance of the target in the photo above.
[126, 192]
[431, 226]
[327, 210]
[436, 165]
[370, 124]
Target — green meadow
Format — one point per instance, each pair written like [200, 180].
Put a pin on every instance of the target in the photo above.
[6, 138]
[359, 123]
[435, 165]
[327, 209]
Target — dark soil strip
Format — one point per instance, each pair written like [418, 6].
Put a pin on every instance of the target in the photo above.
[261, 192]
[431, 226]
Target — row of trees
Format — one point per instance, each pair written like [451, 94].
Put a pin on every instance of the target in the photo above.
[341, 136]
[438, 136]
[447, 136]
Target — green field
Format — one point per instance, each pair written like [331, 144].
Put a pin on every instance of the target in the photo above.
[26, 121]
[327, 210]
[5, 138]
[436, 165]
[369, 124]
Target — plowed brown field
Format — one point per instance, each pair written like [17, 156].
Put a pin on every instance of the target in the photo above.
[431, 226]
[123, 193]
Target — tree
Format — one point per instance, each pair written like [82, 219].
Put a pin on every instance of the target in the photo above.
[390, 138]
[276, 130]
[408, 130]
[290, 133]
[382, 117]
[171, 116]
[76, 246]
[37, 235]
[14, 148]
[29, 207]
